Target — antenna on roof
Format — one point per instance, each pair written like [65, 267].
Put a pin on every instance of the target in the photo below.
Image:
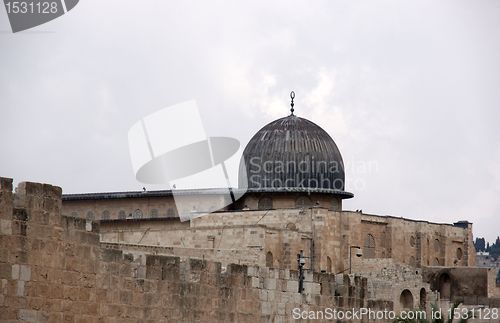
[292, 96]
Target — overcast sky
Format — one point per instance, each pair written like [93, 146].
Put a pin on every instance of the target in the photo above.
[409, 88]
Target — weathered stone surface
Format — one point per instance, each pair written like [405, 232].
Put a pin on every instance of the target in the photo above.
[57, 270]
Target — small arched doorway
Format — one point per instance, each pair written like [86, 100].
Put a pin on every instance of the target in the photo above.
[423, 298]
[269, 259]
[444, 286]
[406, 299]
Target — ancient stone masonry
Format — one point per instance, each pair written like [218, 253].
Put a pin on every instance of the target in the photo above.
[54, 269]
[325, 233]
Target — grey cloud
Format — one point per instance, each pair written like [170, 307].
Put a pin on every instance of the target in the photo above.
[414, 88]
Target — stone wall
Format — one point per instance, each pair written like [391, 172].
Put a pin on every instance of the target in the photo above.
[53, 268]
[325, 236]
[493, 284]
[471, 286]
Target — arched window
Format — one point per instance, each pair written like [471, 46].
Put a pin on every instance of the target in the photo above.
[328, 264]
[406, 299]
[369, 251]
[154, 213]
[137, 214]
[122, 215]
[303, 202]
[105, 215]
[412, 241]
[90, 215]
[265, 203]
[459, 253]
[269, 259]
[437, 246]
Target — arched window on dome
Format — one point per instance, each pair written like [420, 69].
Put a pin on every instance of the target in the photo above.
[265, 203]
[369, 251]
[303, 202]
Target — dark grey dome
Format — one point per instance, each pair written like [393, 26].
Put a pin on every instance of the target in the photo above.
[293, 154]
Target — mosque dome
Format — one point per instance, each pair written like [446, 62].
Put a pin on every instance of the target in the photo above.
[293, 154]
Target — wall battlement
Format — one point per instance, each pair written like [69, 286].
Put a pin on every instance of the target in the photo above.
[54, 269]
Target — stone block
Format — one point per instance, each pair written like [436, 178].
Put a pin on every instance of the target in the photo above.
[312, 288]
[285, 274]
[6, 184]
[20, 288]
[4, 255]
[15, 271]
[28, 315]
[5, 227]
[263, 295]
[267, 308]
[255, 282]
[5, 271]
[252, 271]
[281, 308]
[271, 295]
[25, 273]
[292, 286]
[270, 283]
[51, 191]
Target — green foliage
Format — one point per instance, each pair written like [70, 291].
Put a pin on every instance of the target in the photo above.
[480, 244]
[493, 249]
